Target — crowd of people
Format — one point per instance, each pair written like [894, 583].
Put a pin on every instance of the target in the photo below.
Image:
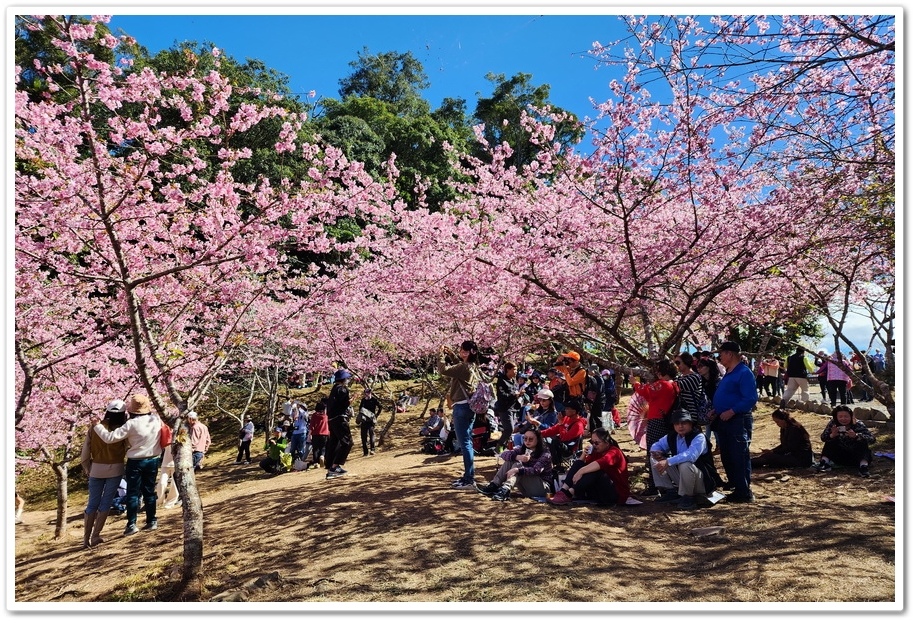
[555, 433]
[693, 404]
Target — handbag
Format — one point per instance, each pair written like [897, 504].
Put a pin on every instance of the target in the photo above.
[242, 434]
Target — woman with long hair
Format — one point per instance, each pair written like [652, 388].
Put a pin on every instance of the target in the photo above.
[463, 377]
[794, 449]
[527, 466]
[104, 464]
[599, 474]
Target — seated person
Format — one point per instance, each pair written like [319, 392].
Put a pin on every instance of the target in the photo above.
[542, 417]
[527, 465]
[563, 436]
[682, 463]
[600, 474]
[275, 447]
[846, 442]
[433, 425]
[794, 449]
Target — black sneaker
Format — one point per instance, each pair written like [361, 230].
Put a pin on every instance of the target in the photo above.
[489, 489]
[670, 495]
[502, 495]
[151, 525]
[823, 466]
[863, 471]
[734, 498]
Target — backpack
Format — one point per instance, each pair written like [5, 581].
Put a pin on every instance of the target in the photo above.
[704, 463]
[480, 400]
[593, 387]
[677, 404]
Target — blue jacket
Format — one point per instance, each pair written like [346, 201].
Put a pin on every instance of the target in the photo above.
[737, 390]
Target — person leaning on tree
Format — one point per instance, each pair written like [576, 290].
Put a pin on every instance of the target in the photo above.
[142, 434]
[733, 403]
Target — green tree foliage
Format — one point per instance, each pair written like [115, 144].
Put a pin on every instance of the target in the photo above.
[391, 77]
[382, 112]
[501, 114]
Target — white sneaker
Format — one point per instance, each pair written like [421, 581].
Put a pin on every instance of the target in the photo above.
[463, 484]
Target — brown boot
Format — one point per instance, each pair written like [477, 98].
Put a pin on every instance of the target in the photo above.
[88, 523]
[97, 528]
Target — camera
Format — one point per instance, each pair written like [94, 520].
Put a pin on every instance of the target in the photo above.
[841, 429]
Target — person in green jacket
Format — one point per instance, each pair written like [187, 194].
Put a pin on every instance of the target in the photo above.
[275, 447]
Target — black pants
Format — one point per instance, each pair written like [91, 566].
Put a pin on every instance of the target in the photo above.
[559, 450]
[505, 423]
[367, 433]
[319, 443]
[339, 442]
[850, 454]
[837, 391]
[595, 486]
[244, 448]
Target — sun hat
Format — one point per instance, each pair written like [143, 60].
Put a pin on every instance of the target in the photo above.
[192, 415]
[138, 404]
[342, 375]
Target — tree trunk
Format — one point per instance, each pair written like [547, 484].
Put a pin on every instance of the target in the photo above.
[60, 471]
[191, 584]
[394, 414]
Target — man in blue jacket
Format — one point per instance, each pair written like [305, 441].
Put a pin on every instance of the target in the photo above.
[733, 402]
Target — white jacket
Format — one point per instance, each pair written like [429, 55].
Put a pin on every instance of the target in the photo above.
[141, 432]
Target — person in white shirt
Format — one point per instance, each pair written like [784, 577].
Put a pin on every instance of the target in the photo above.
[142, 433]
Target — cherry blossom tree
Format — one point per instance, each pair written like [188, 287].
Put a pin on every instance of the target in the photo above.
[115, 206]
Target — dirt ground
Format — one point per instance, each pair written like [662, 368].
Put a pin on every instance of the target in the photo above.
[393, 531]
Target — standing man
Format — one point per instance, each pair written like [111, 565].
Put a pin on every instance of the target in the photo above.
[300, 430]
[797, 372]
[142, 433]
[340, 442]
[507, 393]
[735, 397]
[771, 375]
[200, 440]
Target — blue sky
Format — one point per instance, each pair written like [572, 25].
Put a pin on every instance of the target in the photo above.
[457, 51]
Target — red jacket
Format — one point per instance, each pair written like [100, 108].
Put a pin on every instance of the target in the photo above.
[659, 394]
[614, 464]
[318, 425]
[567, 429]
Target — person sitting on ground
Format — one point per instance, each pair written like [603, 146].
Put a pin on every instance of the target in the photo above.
[682, 464]
[794, 449]
[542, 417]
[527, 465]
[275, 447]
[564, 436]
[846, 442]
[433, 424]
[600, 474]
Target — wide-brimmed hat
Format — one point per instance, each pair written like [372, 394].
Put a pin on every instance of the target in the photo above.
[138, 404]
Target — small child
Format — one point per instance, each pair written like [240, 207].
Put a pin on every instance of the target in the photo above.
[318, 427]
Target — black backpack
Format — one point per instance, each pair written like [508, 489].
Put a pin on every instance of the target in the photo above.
[593, 387]
[704, 463]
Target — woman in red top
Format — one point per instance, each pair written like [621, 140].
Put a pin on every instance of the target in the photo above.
[564, 436]
[660, 394]
[599, 475]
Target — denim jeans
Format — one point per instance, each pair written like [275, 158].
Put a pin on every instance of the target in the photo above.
[140, 475]
[102, 492]
[463, 423]
[734, 437]
[298, 446]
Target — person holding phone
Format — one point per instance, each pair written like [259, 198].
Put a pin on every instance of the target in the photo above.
[527, 466]
[846, 442]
